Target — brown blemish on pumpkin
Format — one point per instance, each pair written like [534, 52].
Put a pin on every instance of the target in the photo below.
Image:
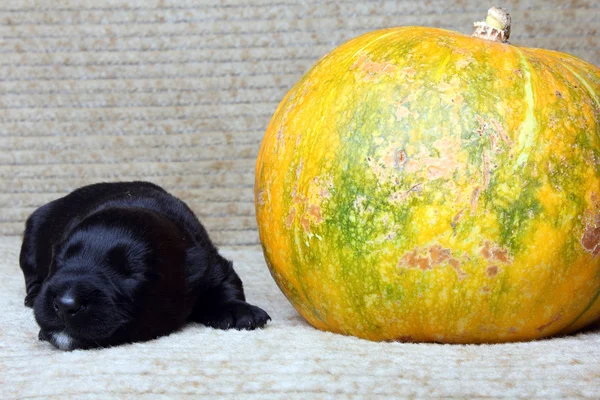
[400, 158]
[492, 270]
[591, 236]
[309, 207]
[439, 254]
[443, 166]
[558, 94]
[396, 158]
[290, 218]
[315, 212]
[455, 264]
[387, 161]
[304, 221]
[554, 319]
[490, 252]
[370, 70]
[590, 239]
[501, 132]
[414, 260]
[502, 256]
[429, 258]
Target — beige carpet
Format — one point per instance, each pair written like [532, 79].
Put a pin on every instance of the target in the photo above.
[179, 93]
[287, 359]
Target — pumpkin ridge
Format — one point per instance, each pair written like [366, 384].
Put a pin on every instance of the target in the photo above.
[530, 122]
[585, 83]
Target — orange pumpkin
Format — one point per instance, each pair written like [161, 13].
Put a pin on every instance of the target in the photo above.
[419, 184]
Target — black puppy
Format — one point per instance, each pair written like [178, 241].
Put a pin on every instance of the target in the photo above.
[114, 263]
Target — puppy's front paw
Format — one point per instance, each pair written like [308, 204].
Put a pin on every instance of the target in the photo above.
[30, 297]
[238, 315]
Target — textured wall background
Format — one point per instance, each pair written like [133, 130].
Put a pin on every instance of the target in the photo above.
[180, 92]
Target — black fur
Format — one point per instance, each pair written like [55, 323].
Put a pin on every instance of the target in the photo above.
[115, 263]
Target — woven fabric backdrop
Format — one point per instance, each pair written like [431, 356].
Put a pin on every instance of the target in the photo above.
[180, 92]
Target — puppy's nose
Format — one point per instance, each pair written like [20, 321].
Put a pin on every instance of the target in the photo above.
[67, 305]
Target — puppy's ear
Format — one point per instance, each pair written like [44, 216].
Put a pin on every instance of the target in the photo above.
[117, 257]
[197, 263]
[56, 249]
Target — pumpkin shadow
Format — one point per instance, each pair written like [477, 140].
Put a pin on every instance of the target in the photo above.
[588, 330]
[593, 328]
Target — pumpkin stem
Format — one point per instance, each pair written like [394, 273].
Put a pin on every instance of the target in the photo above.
[496, 26]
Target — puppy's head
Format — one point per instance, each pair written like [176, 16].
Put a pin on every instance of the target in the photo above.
[108, 281]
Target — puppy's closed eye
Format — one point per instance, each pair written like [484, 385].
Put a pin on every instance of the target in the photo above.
[73, 250]
[117, 257]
